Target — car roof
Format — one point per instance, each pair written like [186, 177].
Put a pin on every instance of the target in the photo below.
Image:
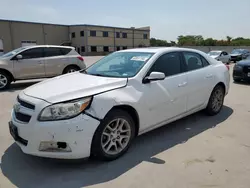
[54, 46]
[216, 51]
[160, 49]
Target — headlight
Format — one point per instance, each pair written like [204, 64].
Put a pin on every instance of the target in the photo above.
[65, 110]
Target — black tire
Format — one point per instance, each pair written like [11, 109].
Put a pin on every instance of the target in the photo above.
[7, 76]
[71, 68]
[211, 110]
[97, 150]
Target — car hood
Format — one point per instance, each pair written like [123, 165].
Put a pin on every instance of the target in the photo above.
[214, 56]
[73, 86]
[245, 62]
[235, 54]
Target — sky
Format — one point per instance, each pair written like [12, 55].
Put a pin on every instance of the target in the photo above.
[167, 18]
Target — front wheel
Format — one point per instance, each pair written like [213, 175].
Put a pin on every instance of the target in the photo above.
[114, 136]
[216, 100]
[4, 80]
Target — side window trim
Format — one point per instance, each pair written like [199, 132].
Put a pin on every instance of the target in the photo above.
[181, 61]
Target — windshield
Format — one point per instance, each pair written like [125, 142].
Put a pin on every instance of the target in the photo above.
[237, 51]
[214, 53]
[120, 64]
[14, 52]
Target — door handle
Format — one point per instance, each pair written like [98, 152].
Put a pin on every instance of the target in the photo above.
[182, 84]
[209, 76]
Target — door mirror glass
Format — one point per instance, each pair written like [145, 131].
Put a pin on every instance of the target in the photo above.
[19, 57]
[154, 76]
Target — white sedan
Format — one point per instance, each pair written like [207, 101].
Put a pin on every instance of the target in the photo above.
[220, 56]
[100, 110]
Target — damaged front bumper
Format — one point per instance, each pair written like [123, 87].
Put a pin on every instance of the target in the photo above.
[65, 139]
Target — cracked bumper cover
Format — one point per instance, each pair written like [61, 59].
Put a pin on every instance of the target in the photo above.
[77, 133]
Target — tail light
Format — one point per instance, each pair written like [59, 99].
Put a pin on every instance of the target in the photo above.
[80, 58]
[228, 67]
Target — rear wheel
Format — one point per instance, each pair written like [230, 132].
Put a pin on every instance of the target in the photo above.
[71, 69]
[216, 100]
[114, 135]
[5, 80]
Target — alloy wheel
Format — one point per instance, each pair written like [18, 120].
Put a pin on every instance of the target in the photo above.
[71, 70]
[217, 100]
[116, 136]
[3, 81]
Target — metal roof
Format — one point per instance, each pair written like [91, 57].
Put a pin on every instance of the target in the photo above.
[18, 21]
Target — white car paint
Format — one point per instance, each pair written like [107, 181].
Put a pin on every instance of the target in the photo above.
[156, 103]
[220, 56]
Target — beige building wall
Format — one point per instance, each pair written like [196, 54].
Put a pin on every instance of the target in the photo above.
[5, 35]
[79, 41]
[26, 32]
[14, 32]
[56, 34]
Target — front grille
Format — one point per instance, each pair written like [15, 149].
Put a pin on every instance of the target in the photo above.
[237, 73]
[26, 104]
[246, 69]
[22, 117]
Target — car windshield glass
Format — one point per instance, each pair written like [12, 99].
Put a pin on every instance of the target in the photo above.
[236, 51]
[14, 52]
[214, 53]
[119, 64]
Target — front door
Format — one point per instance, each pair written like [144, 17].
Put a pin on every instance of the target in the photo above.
[165, 99]
[30, 65]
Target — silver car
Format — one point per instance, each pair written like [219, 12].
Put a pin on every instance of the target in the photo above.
[34, 62]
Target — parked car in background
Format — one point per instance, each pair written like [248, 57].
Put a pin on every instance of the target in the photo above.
[239, 54]
[241, 70]
[220, 56]
[32, 62]
[100, 110]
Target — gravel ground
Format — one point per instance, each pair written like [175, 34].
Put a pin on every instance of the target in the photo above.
[195, 152]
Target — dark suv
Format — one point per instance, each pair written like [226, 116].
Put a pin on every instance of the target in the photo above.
[239, 54]
[242, 70]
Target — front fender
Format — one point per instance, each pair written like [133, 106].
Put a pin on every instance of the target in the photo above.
[104, 102]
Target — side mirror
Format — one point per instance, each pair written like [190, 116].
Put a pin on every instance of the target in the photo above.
[19, 57]
[154, 76]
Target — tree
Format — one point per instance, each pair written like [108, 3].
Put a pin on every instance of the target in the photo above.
[209, 42]
[158, 42]
[229, 39]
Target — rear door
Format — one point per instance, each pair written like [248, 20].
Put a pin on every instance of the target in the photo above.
[224, 57]
[55, 60]
[200, 80]
[31, 65]
[165, 99]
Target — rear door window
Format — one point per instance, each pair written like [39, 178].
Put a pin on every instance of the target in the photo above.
[54, 51]
[192, 60]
